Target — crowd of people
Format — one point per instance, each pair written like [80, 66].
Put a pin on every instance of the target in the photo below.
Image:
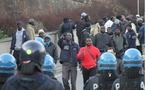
[109, 55]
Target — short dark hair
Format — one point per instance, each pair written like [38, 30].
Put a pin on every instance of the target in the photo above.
[88, 38]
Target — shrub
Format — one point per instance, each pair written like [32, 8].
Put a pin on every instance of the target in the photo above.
[131, 5]
[51, 21]
[2, 34]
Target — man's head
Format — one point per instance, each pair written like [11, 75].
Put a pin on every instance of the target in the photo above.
[102, 29]
[47, 40]
[137, 16]
[88, 41]
[112, 18]
[41, 33]
[66, 19]
[119, 17]
[139, 21]
[101, 22]
[129, 27]
[68, 36]
[31, 21]
[117, 31]
[109, 31]
[105, 18]
[19, 25]
[132, 62]
[83, 15]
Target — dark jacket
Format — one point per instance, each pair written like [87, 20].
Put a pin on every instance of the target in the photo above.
[124, 25]
[114, 26]
[98, 82]
[125, 83]
[131, 39]
[84, 34]
[141, 35]
[119, 69]
[3, 78]
[52, 50]
[101, 41]
[119, 42]
[24, 39]
[67, 26]
[68, 51]
[33, 82]
[80, 26]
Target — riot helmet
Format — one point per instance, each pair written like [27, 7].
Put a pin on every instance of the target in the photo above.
[7, 66]
[132, 62]
[48, 65]
[39, 39]
[107, 66]
[32, 57]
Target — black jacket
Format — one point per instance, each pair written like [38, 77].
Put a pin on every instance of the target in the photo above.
[84, 34]
[34, 82]
[98, 82]
[52, 50]
[125, 83]
[69, 51]
[102, 41]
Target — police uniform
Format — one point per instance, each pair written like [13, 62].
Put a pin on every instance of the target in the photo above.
[103, 81]
[125, 83]
[98, 83]
[131, 79]
[33, 82]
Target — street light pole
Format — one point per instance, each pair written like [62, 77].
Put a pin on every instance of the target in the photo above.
[138, 7]
[144, 10]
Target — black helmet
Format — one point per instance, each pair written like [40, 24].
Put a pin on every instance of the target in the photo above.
[32, 57]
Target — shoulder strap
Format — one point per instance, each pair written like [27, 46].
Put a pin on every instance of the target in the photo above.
[90, 53]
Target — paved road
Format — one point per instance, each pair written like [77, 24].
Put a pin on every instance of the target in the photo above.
[79, 79]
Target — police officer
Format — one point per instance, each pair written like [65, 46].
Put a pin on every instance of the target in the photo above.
[131, 79]
[106, 67]
[48, 66]
[7, 67]
[29, 75]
